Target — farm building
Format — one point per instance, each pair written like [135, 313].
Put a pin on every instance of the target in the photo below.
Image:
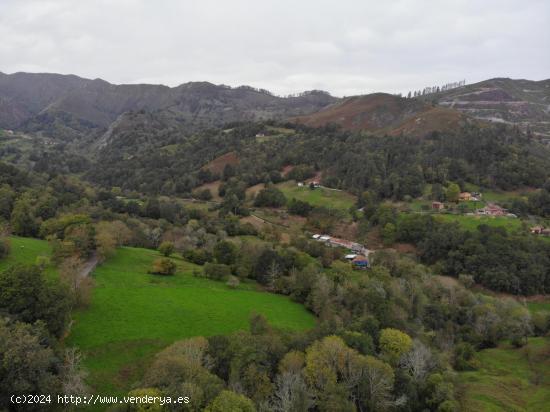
[360, 262]
[537, 230]
[438, 206]
[335, 242]
[465, 196]
[492, 210]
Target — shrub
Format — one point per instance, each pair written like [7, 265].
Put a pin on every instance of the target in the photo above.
[541, 322]
[216, 271]
[4, 248]
[299, 207]
[233, 282]
[466, 280]
[166, 248]
[205, 194]
[270, 197]
[464, 357]
[163, 266]
[198, 257]
[42, 262]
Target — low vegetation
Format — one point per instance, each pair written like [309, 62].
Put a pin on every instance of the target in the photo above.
[133, 314]
[509, 379]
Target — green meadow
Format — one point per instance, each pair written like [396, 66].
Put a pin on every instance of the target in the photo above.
[332, 199]
[25, 251]
[472, 222]
[509, 379]
[134, 314]
[539, 306]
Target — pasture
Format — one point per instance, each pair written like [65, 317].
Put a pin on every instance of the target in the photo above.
[25, 251]
[332, 199]
[134, 314]
[509, 379]
[470, 222]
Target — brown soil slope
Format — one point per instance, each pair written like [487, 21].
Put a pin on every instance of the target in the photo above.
[382, 113]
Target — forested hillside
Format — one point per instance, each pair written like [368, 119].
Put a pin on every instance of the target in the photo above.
[390, 166]
[217, 243]
[68, 107]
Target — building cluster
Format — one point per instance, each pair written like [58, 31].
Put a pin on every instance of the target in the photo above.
[492, 209]
[469, 197]
[313, 184]
[540, 230]
[358, 255]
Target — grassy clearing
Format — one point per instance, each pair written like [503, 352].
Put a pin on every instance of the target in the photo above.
[539, 306]
[25, 251]
[510, 379]
[318, 197]
[472, 222]
[134, 314]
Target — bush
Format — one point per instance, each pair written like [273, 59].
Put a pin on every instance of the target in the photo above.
[216, 271]
[4, 248]
[233, 282]
[166, 248]
[464, 357]
[225, 252]
[205, 194]
[198, 257]
[270, 197]
[299, 207]
[541, 322]
[163, 266]
[466, 280]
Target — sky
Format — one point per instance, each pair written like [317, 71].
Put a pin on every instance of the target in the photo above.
[346, 47]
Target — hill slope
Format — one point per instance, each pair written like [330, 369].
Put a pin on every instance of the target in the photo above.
[69, 107]
[383, 113]
[524, 103]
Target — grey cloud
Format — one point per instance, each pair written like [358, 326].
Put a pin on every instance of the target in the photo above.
[346, 47]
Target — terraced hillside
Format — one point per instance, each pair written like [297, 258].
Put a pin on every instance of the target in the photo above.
[524, 103]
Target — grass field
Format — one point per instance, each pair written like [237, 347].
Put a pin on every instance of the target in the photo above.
[472, 222]
[334, 199]
[539, 306]
[510, 379]
[26, 250]
[134, 314]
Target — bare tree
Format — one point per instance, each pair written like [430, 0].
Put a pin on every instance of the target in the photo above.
[69, 271]
[419, 361]
[74, 375]
[291, 394]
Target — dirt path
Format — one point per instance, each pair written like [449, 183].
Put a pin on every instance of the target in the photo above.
[88, 267]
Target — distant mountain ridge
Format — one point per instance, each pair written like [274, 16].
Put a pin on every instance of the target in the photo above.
[74, 106]
[70, 108]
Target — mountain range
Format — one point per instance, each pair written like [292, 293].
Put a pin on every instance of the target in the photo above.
[68, 107]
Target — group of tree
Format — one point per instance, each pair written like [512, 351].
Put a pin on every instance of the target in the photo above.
[515, 263]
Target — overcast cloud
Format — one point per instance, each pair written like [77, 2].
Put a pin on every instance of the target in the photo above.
[345, 47]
